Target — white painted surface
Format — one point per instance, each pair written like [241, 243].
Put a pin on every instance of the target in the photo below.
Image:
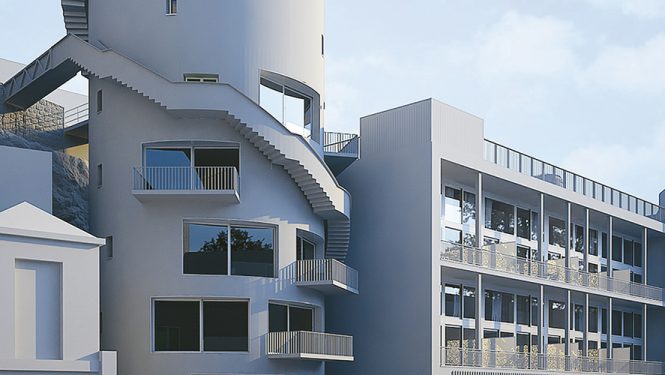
[25, 175]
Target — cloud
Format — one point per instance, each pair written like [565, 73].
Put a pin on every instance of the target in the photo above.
[620, 165]
[636, 69]
[647, 9]
[520, 44]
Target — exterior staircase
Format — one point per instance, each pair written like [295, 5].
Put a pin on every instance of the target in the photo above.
[305, 166]
[76, 17]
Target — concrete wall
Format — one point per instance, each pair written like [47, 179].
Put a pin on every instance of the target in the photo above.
[25, 175]
[148, 242]
[391, 246]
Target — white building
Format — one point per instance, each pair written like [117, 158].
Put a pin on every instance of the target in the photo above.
[473, 267]
[226, 229]
[49, 278]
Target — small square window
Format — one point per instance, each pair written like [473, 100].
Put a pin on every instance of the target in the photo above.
[100, 175]
[99, 101]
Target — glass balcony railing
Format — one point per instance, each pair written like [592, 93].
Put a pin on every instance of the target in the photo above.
[530, 166]
[465, 357]
[550, 270]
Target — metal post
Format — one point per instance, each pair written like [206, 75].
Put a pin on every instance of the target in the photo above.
[569, 312]
[480, 299]
[609, 247]
[541, 322]
[645, 241]
[644, 332]
[585, 347]
[609, 328]
[587, 241]
[480, 212]
[541, 229]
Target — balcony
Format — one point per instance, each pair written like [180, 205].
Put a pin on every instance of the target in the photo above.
[220, 183]
[549, 271]
[309, 346]
[530, 166]
[340, 150]
[485, 359]
[328, 276]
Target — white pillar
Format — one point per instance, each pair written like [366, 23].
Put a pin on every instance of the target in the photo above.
[645, 241]
[644, 331]
[609, 328]
[585, 345]
[587, 241]
[480, 212]
[541, 229]
[609, 247]
[569, 310]
[568, 232]
[541, 322]
[480, 312]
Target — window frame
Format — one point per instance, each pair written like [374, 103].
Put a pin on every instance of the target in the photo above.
[200, 78]
[192, 146]
[200, 301]
[229, 224]
[171, 10]
[288, 306]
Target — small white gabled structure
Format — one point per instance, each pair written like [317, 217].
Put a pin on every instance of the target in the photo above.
[49, 296]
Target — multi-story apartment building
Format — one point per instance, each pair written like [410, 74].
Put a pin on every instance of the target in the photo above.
[486, 260]
[225, 228]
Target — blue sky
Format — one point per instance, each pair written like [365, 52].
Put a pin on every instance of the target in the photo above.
[578, 83]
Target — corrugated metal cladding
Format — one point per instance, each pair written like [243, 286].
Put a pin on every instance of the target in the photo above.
[397, 128]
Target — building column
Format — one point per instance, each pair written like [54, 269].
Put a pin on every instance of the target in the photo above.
[569, 234]
[610, 234]
[645, 240]
[644, 332]
[569, 312]
[480, 312]
[609, 328]
[585, 345]
[541, 322]
[480, 212]
[541, 229]
[587, 241]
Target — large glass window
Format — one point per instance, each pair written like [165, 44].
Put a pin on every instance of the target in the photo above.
[605, 245]
[557, 315]
[285, 318]
[637, 258]
[603, 321]
[499, 216]
[453, 337]
[469, 301]
[578, 318]
[229, 250]
[535, 311]
[305, 250]
[557, 232]
[579, 239]
[523, 310]
[535, 223]
[616, 248]
[628, 252]
[177, 326]
[627, 324]
[453, 205]
[452, 235]
[290, 107]
[637, 325]
[593, 319]
[593, 242]
[469, 209]
[523, 223]
[617, 319]
[499, 307]
[225, 326]
[453, 301]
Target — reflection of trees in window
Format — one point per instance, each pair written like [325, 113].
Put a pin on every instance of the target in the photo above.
[499, 216]
[523, 223]
[469, 208]
[557, 314]
[579, 239]
[593, 242]
[557, 232]
[453, 205]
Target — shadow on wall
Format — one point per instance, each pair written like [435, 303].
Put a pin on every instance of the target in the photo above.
[70, 179]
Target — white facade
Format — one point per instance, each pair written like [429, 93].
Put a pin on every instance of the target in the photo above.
[26, 177]
[49, 278]
[478, 273]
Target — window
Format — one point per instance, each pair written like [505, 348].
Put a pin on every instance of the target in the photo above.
[627, 324]
[171, 7]
[636, 354]
[229, 250]
[108, 247]
[616, 248]
[289, 106]
[288, 318]
[305, 249]
[469, 209]
[628, 252]
[323, 45]
[635, 277]
[535, 311]
[523, 223]
[523, 343]
[225, 326]
[535, 223]
[557, 315]
[499, 307]
[453, 235]
[605, 245]
[453, 337]
[523, 310]
[499, 216]
[557, 232]
[616, 323]
[578, 318]
[453, 301]
[469, 301]
[637, 258]
[593, 319]
[469, 338]
[593, 268]
[453, 205]
[637, 325]
[100, 175]
[579, 239]
[99, 101]
[604, 321]
[593, 242]
[490, 334]
[177, 326]
[201, 78]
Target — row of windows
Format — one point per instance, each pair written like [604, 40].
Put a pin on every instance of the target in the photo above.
[459, 301]
[218, 326]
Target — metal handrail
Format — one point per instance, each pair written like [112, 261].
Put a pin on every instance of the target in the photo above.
[185, 178]
[345, 143]
[76, 115]
[313, 270]
[313, 343]
[468, 357]
[534, 167]
[549, 270]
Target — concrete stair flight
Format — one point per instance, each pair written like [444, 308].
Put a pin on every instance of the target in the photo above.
[182, 99]
[76, 17]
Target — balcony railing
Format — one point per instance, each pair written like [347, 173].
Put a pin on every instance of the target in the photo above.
[310, 345]
[341, 143]
[151, 182]
[509, 263]
[464, 357]
[541, 170]
[322, 273]
[76, 115]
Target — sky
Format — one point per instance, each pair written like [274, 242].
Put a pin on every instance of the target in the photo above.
[577, 83]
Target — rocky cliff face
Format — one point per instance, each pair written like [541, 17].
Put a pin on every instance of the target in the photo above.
[70, 177]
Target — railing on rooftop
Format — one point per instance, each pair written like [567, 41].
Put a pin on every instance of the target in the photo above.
[550, 270]
[341, 143]
[552, 174]
[464, 357]
[76, 115]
